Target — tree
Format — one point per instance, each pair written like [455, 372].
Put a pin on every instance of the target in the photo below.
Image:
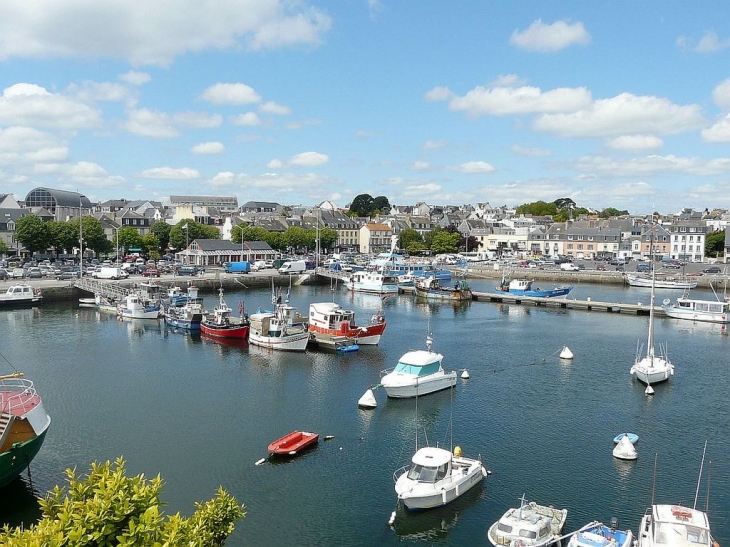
[3, 246]
[65, 235]
[362, 205]
[609, 212]
[411, 241]
[381, 205]
[715, 244]
[108, 508]
[327, 238]
[33, 233]
[161, 229]
[94, 236]
[180, 237]
[537, 208]
[151, 245]
[128, 238]
[445, 242]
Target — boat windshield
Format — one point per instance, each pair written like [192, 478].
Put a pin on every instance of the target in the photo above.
[668, 532]
[422, 473]
[417, 370]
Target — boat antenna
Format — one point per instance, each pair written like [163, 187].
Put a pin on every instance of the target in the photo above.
[707, 495]
[699, 479]
[653, 481]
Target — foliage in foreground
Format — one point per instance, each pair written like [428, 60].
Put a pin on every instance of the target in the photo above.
[107, 508]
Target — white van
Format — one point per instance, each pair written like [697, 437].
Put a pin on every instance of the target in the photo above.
[106, 272]
[569, 267]
[293, 267]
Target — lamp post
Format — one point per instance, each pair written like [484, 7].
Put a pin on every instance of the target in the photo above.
[187, 242]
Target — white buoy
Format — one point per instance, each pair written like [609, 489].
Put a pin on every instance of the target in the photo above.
[367, 400]
[391, 520]
[566, 353]
[262, 460]
[649, 390]
[465, 374]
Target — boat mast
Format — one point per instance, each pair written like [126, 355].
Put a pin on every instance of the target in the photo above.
[699, 479]
[650, 340]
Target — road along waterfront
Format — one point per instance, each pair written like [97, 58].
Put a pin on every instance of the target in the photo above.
[201, 413]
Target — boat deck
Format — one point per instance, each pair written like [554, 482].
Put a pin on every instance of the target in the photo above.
[18, 403]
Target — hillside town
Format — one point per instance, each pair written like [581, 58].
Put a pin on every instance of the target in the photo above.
[490, 232]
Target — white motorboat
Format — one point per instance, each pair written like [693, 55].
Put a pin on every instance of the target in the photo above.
[597, 534]
[20, 296]
[378, 282]
[529, 525]
[664, 282]
[418, 372]
[697, 309]
[436, 477]
[282, 329]
[625, 449]
[133, 306]
[654, 367]
[674, 526]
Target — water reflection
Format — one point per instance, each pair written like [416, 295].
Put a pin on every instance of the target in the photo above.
[18, 503]
[623, 471]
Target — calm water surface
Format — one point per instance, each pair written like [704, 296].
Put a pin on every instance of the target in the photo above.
[201, 413]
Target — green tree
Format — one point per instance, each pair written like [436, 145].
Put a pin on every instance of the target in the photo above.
[381, 205]
[128, 238]
[296, 237]
[362, 205]
[327, 238]
[537, 208]
[715, 244]
[151, 245]
[180, 237]
[250, 233]
[161, 229]
[33, 233]
[445, 242]
[109, 508]
[3, 246]
[94, 236]
[65, 235]
[411, 241]
[609, 212]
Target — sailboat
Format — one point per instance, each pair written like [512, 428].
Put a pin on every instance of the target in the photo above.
[654, 367]
[436, 476]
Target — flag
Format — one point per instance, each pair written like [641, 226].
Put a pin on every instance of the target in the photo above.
[185, 227]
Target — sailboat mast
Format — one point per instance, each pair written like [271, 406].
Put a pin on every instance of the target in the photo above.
[650, 337]
[699, 479]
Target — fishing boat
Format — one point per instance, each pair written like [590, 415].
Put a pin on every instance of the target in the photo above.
[418, 372]
[372, 281]
[664, 282]
[222, 325]
[432, 289]
[625, 449]
[23, 425]
[133, 306]
[529, 525]
[654, 367]
[282, 329]
[597, 534]
[20, 296]
[189, 316]
[331, 319]
[176, 296]
[697, 309]
[436, 476]
[293, 443]
[524, 287]
[103, 303]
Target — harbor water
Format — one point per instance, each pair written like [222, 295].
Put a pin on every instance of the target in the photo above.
[201, 413]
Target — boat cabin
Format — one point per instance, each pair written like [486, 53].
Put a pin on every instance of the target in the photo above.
[677, 525]
[419, 363]
[530, 529]
[329, 315]
[702, 306]
[20, 292]
[430, 464]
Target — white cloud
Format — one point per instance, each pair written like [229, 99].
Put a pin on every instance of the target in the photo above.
[719, 132]
[634, 142]
[270, 107]
[439, 94]
[508, 80]
[500, 101]
[230, 94]
[547, 38]
[31, 105]
[420, 166]
[711, 43]
[309, 159]
[249, 119]
[275, 164]
[530, 152]
[174, 173]
[474, 167]
[418, 191]
[623, 114]
[99, 91]
[651, 166]
[223, 179]
[433, 145]
[208, 148]
[160, 125]
[362, 134]
[721, 94]
[134, 77]
[298, 186]
[153, 33]
[80, 173]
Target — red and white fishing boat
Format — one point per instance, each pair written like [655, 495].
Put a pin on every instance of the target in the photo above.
[293, 443]
[330, 319]
[222, 325]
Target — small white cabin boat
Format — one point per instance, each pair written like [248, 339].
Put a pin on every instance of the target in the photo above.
[19, 296]
[674, 526]
[529, 525]
[436, 477]
[695, 309]
[418, 372]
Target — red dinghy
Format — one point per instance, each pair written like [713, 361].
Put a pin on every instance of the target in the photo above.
[293, 443]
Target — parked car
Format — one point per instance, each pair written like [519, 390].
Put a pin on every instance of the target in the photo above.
[68, 273]
[673, 265]
[712, 269]
[17, 273]
[34, 273]
[151, 272]
[189, 270]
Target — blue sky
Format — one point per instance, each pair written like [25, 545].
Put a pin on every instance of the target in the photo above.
[621, 104]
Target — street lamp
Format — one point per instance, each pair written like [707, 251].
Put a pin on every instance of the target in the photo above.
[187, 242]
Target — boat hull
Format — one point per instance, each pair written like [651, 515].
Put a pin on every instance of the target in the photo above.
[291, 342]
[192, 324]
[293, 443]
[652, 371]
[538, 293]
[401, 387]
[232, 331]
[638, 281]
[368, 335]
[601, 535]
[449, 295]
[16, 460]
[21, 302]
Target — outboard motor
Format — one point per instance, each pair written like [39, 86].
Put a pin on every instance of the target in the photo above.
[614, 524]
